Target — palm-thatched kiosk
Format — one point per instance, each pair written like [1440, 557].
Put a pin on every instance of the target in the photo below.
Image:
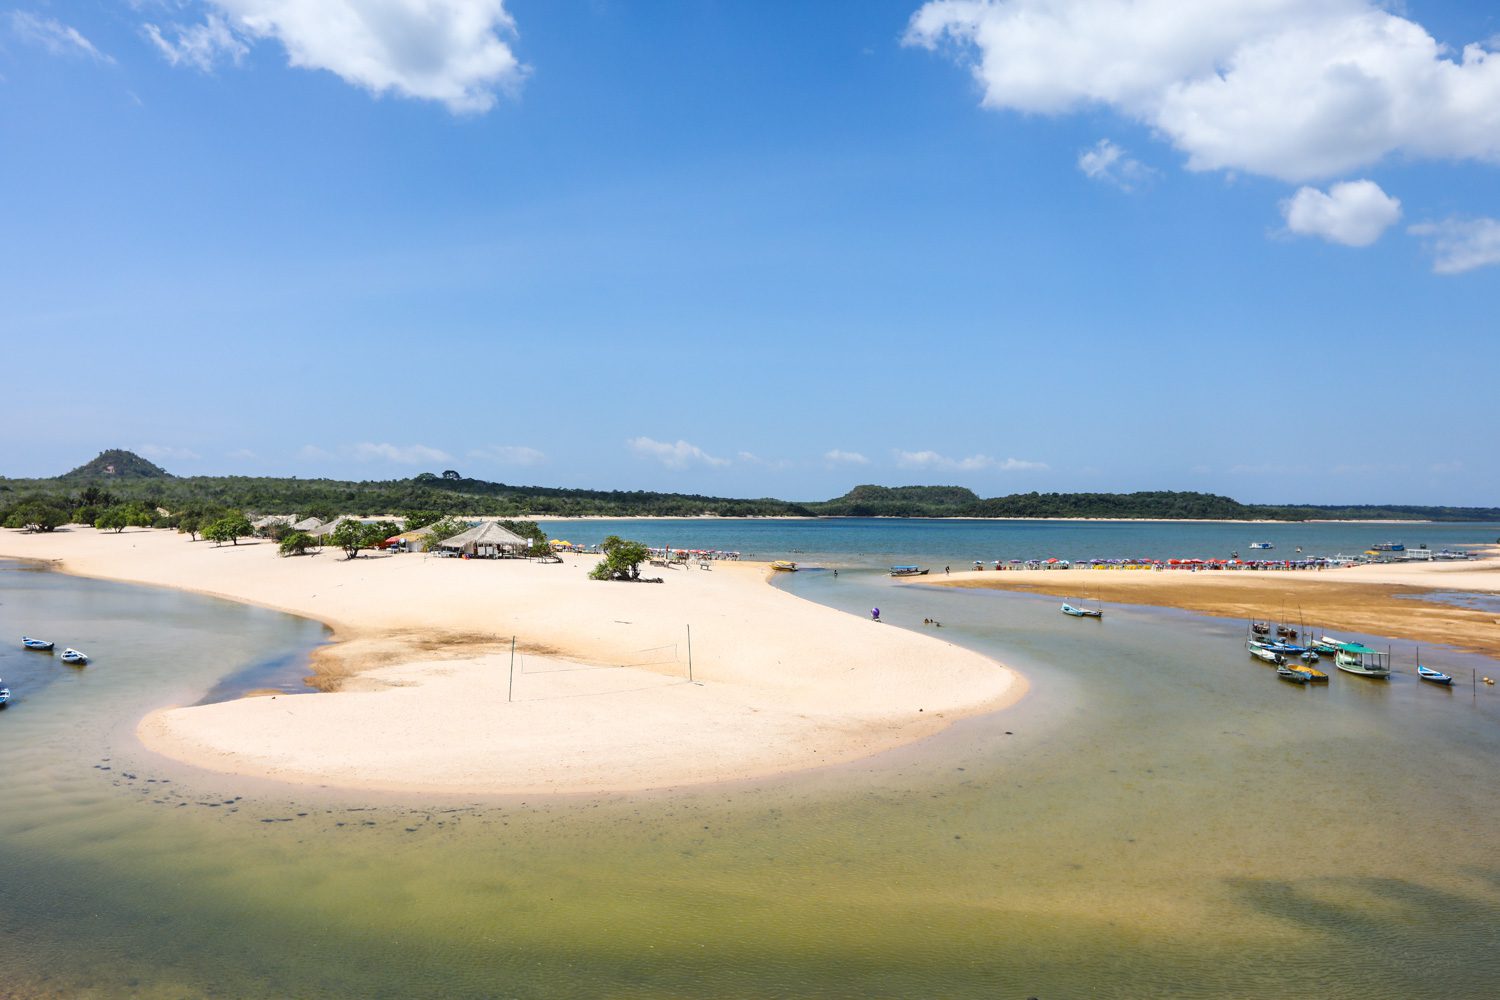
[308, 524]
[487, 541]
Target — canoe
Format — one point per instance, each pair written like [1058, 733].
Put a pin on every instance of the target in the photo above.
[1293, 675]
[1436, 676]
[73, 656]
[41, 645]
[1068, 609]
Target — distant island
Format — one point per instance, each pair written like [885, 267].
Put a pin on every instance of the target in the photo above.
[118, 477]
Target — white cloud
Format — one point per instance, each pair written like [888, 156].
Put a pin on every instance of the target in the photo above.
[200, 46]
[509, 454]
[839, 457]
[243, 455]
[1460, 245]
[402, 454]
[934, 460]
[312, 453]
[1293, 89]
[1110, 164]
[677, 455]
[1354, 213]
[167, 453]
[54, 36]
[450, 51]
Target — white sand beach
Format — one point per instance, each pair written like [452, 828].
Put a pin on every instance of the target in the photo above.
[601, 697]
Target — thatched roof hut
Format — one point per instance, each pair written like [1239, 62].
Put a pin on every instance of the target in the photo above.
[308, 524]
[486, 539]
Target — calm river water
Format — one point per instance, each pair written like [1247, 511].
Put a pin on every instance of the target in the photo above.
[1160, 816]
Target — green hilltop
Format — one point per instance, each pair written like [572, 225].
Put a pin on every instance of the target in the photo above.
[116, 464]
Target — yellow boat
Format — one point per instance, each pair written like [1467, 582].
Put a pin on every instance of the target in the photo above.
[785, 565]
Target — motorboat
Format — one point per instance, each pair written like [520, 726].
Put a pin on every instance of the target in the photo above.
[40, 645]
[75, 657]
[1261, 545]
[908, 571]
[784, 566]
[1355, 658]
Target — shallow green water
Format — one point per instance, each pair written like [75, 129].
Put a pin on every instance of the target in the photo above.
[1160, 816]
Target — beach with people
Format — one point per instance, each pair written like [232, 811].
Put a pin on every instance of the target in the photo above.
[1405, 600]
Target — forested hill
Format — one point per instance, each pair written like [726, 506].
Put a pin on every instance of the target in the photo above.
[121, 477]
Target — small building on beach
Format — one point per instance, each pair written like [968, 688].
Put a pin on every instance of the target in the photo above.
[487, 541]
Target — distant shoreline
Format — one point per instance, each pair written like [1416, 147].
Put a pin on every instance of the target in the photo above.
[921, 517]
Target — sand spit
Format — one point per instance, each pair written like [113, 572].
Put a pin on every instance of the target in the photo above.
[417, 686]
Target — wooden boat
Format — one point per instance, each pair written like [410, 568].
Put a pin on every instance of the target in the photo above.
[784, 566]
[1260, 652]
[4, 696]
[1354, 658]
[41, 645]
[1068, 609]
[1260, 628]
[908, 571]
[75, 657]
[1292, 674]
[1308, 656]
[1436, 676]
[1313, 674]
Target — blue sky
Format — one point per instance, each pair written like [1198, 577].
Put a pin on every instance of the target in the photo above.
[757, 248]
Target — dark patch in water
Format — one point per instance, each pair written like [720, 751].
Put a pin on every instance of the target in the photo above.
[282, 673]
[1472, 601]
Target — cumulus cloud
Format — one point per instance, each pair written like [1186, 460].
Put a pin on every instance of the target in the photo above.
[54, 36]
[168, 453]
[1110, 164]
[451, 51]
[402, 454]
[312, 453]
[1354, 213]
[674, 455]
[200, 46]
[1292, 89]
[934, 460]
[1459, 245]
[509, 454]
[839, 457]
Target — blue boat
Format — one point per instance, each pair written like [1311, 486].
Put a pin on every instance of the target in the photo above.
[1436, 676]
[1068, 609]
[40, 645]
[4, 695]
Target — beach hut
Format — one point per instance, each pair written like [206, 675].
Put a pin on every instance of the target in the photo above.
[487, 540]
[416, 540]
[308, 525]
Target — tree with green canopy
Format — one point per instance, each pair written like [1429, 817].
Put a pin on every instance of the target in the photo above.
[229, 528]
[351, 536]
[41, 513]
[296, 543]
[125, 515]
[622, 560]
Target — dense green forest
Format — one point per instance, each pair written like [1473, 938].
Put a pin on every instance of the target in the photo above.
[119, 478]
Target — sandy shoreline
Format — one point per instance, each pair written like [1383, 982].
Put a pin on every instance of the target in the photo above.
[1380, 599]
[601, 696]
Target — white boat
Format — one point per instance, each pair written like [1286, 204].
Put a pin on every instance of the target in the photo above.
[1261, 545]
[4, 695]
[1260, 652]
[42, 645]
[1068, 609]
[73, 656]
[1354, 658]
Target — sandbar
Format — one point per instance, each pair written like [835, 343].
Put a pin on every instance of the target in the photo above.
[421, 696]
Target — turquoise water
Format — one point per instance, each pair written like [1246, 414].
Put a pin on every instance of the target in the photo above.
[1159, 816]
[884, 541]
